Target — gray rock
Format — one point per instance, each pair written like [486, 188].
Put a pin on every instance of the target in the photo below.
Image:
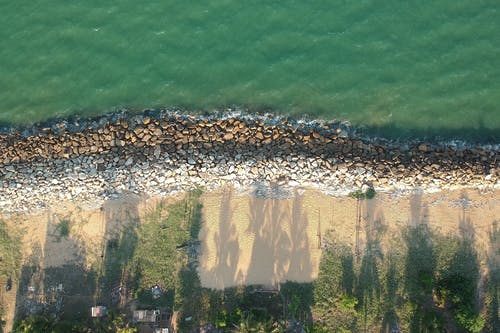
[129, 161]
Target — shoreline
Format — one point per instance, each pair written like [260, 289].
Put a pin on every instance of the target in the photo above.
[161, 153]
[79, 122]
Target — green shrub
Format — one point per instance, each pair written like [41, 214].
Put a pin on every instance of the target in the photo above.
[468, 320]
[370, 193]
[358, 194]
[64, 228]
[10, 254]
[348, 302]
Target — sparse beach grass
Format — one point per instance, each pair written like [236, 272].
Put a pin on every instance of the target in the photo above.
[63, 228]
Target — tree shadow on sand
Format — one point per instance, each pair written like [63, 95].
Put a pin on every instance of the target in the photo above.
[420, 269]
[420, 265]
[457, 283]
[461, 276]
[391, 320]
[49, 288]
[281, 247]
[271, 245]
[368, 288]
[194, 300]
[227, 251]
[298, 297]
[120, 222]
[493, 280]
[442, 276]
[300, 258]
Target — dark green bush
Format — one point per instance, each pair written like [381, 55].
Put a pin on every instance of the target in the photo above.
[370, 193]
[64, 228]
[358, 194]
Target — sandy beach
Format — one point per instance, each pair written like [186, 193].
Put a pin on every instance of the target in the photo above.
[249, 239]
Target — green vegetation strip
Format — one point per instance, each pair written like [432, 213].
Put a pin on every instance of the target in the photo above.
[10, 255]
[10, 260]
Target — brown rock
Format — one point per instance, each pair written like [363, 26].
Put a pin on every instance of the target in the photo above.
[157, 132]
[358, 144]
[139, 131]
[267, 141]
[423, 147]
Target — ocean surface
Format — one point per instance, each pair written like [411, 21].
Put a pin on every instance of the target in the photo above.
[394, 67]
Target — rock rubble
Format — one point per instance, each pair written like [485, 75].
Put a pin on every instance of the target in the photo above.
[158, 153]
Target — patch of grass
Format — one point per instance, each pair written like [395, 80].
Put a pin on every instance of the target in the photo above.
[64, 228]
[10, 260]
[161, 255]
[298, 298]
[358, 194]
[118, 255]
[10, 254]
[370, 193]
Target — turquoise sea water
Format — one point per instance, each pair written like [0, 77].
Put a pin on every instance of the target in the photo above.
[424, 67]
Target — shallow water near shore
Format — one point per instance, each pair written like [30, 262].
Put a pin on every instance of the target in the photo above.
[397, 69]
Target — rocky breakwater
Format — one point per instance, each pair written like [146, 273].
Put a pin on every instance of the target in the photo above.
[158, 153]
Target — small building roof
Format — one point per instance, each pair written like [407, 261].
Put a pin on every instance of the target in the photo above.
[156, 291]
[146, 316]
[162, 330]
[98, 311]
